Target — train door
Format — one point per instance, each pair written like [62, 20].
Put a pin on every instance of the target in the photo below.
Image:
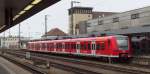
[84, 48]
[73, 47]
[98, 47]
[58, 47]
[78, 47]
[67, 47]
[38, 46]
[43, 46]
[46, 47]
[63, 47]
[93, 48]
[34, 48]
[54, 47]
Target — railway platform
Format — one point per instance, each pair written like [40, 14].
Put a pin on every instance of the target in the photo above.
[7, 67]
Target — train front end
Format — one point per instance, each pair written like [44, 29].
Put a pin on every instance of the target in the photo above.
[123, 47]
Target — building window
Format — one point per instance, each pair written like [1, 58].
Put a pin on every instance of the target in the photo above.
[88, 24]
[100, 22]
[115, 19]
[135, 16]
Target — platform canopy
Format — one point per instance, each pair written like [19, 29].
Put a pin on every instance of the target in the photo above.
[13, 12]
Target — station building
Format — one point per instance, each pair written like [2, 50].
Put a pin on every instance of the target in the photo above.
[134, 23]
[78, 14]
[54, 34]
[13, 42]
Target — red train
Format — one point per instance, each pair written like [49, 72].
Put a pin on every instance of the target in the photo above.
[108, 46]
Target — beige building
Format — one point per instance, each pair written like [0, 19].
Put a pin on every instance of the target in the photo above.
[78, 14]
[12, 42]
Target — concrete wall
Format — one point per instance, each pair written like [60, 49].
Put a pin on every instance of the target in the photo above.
[78, 18]
[125, 21]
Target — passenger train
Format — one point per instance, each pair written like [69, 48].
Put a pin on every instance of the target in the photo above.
[116, 46]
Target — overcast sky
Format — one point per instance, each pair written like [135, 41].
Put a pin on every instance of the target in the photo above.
[58, 14]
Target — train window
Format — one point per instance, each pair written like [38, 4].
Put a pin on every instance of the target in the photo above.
[59, 46]
[122, 43]
[109, 43]
[97, 46]
[74, 46]
[65, 46]
[78, 46]
[62, 46]
[84, 46]
[102, 46]
[89, 46]
[69, 46]
[56, 46]
[43, 45]
[47, 46]
[52, 46]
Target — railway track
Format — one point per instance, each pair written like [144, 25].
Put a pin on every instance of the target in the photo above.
[84, 66]
[32, 68]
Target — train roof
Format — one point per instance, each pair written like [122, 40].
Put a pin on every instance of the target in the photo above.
[78, 39]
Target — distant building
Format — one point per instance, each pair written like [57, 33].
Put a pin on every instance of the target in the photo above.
[134, 21]
[78, 14]
[55, 34]
[13, 42]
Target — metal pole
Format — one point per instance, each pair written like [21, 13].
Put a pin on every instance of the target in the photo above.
[9, 33]
[19, 37]
[4, 40]
[71, 18]
[46, 26]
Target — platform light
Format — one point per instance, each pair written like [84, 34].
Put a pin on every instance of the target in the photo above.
[16, 17]
[2, 27]
[28, 7]
[22, 12]
[36, 1]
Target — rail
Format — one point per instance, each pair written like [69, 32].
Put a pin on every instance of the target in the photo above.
[82, 66]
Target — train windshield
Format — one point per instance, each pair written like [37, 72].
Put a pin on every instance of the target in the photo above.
[122, 42]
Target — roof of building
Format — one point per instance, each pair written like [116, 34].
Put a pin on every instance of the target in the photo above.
[102, 14]
[56, 32]
[79, 7]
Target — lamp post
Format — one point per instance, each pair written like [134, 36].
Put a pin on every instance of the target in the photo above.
[4, 40]
[46, 17]
[45, 26]
[72, 22]
[19, 37]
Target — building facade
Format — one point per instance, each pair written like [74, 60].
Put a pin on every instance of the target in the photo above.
[79, 14]
[76, 15]
[118, 23]
[13, 42]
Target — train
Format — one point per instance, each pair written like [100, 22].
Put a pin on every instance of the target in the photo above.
[115, 46]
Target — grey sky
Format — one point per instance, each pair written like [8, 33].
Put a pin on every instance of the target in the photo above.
[58, 14]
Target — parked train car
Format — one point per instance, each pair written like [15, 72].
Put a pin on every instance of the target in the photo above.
[117, 46]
